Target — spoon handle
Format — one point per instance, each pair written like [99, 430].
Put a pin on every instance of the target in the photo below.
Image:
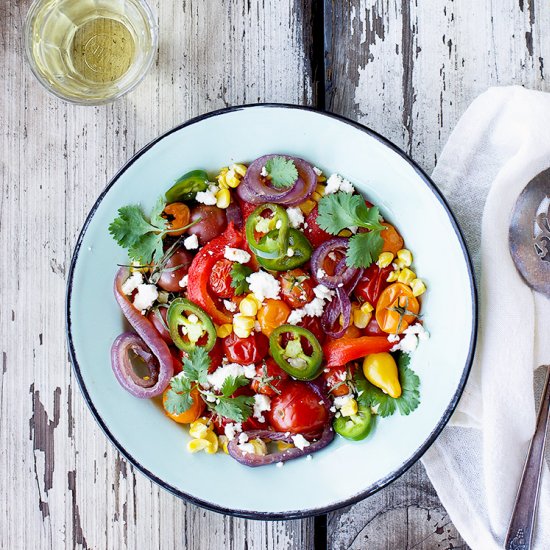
[520, 531]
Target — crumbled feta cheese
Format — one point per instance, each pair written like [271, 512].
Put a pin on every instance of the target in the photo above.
[243, 438]
[341, 401]
[333, 409]
[217, 378]
[393, 338]
[353, 228]
[262, 403]
[332, 256]
[280, 464]
[247, 448]
[263, 172]
[132, 283]
[236, 255]
[295, 217]
[337, 183]
[315, 308]
[290, 252]
[230, 306]
[317, 171]
[232, 429]
[300, 442]
[411, 336]
[323, 293]
[191, 242]
[208, 197]
[321, 273]
[263, 285]
[145, 297]
[296, 315]
[183, 281]
[308, 457]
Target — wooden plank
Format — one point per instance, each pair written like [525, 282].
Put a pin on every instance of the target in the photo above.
[62, 483]
[409, 70]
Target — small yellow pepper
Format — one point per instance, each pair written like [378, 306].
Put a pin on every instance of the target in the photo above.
[380, 370]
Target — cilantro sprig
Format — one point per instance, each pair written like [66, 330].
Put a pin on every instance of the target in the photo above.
[338, 211]
[239, 273]
[371, 396]
[281, 171]
[141, 236]
[194, 376]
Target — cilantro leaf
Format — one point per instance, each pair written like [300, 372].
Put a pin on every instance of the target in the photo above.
[371, 396]
[364, 248]
[341, 210]
[142, 237]
[282, 172]
[196, 365]
[239, 273]
[231, 383]
[237, 409]
[178, 397]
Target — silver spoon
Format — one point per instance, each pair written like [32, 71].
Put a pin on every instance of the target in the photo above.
[529, 241]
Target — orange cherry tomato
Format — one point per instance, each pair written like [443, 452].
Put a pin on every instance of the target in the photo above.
[271, 315]
[393, 242]
[396, 296]
[178, 215]
[191, 414]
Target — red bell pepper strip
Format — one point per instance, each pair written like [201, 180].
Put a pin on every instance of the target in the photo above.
[340, 352]
[201, 268]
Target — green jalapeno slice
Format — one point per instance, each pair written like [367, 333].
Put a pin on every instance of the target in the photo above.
[299, 247]
[275, 243]
[187, 186]
[188, 324]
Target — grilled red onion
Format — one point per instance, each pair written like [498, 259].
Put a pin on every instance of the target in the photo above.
[234, 214]
[342, 273]
[253, 460]
[341, 306]
[256, 189]
[147, 344]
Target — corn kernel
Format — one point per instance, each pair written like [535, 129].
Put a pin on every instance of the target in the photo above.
[223, 442]
[243, 325]
[345, 233]
[283, 446]
[404, 258]
[223, 198]
[307, 206]
[320, 189]
[223, 331]
[260, 447]
[249, 306]
[212, 439]
[196, 445]
[221, 178]
[198, 430]
[367, 307]
[360, 318]
[418, 287]
[406, 276]
[316, 196]
[392, 277]
[385, 259]
[239, 169]
[232, 179]
[349, 408]
[222, 184]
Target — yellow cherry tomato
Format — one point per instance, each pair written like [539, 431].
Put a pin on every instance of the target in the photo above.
[272, 315]
[396, 308]
[381, 371]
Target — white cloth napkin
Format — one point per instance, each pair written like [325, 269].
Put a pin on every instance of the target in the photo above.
[501, 142]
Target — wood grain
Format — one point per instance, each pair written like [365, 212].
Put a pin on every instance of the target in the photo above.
[409, 70]
[62, 483]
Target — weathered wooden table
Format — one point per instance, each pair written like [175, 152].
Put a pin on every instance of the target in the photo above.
[407, 69]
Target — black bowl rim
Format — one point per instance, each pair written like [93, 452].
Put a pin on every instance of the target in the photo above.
[380, 484]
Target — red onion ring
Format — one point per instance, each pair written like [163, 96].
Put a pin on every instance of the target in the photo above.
[255, 188]
[342, 274]
[234, 214]
[254, 460]
[332, 313]
[148, 344]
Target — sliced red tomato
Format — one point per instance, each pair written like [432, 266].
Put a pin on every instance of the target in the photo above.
[298, 410]
[373, 282]
[220, 279]
[270, 378]
[246, 351]
[198, 290]
[296, 287]
[313, 232]
[246, 208]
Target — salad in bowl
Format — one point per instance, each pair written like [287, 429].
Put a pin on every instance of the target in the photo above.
[272, 309]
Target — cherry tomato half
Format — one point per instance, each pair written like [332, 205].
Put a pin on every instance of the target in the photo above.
[336, 379]
[298, 410]
[191, 414]
[270, 378]
[296, 288]
[272, 314]
[373, 282]
[315, 235]
[396, 296]
[393, 241]
[170, 278]
[177, 215]
[220, 279]
[246, 351]
[213, 222]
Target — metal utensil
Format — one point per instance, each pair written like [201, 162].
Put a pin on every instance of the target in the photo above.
[529, 241]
